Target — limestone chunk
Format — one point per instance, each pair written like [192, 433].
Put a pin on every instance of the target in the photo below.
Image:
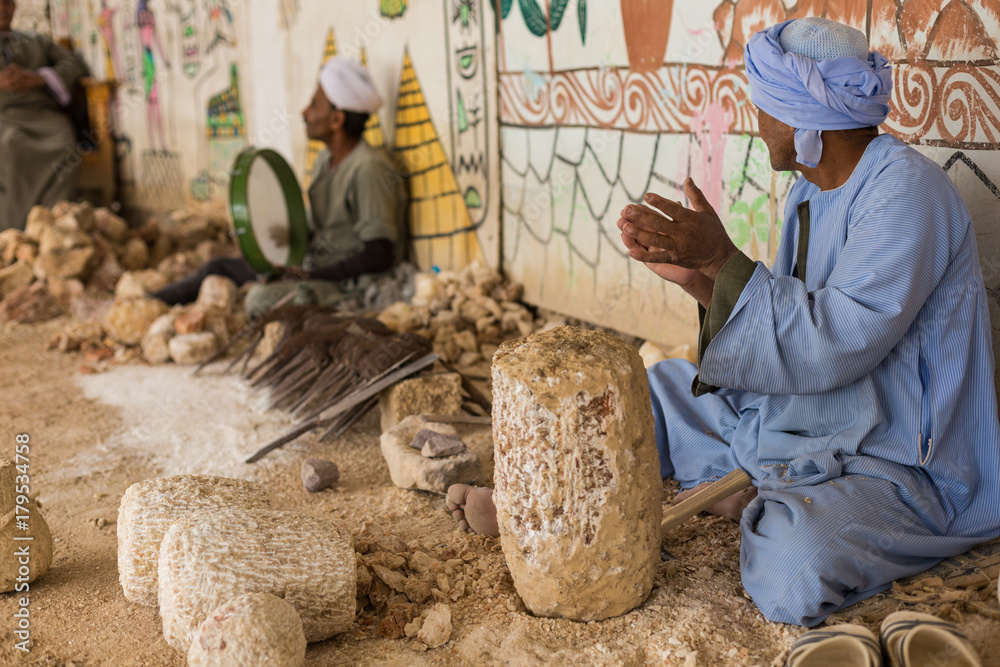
[217, 292]
[29, 304]
[14, 276]
[319, 474]
[39, 218]
[409, 469]
[110, 225]
[577, 483]
[148, 509]
[156, 348]
[436, 628]
[39, 547]
[128, 320]
[209, 559]
[193, 348]
[139, 284]
[251, 630]
[429, 394]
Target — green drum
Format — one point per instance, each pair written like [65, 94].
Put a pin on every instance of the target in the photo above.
[264, 193]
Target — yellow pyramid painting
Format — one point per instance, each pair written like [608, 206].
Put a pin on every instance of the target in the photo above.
[315, 147]
[373, 128]
[442, 233]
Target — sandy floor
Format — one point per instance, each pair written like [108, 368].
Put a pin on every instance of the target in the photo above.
[92, 435]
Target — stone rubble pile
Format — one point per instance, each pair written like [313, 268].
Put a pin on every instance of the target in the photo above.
[466, 314]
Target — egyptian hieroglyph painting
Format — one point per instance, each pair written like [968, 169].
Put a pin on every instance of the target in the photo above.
[601, 102]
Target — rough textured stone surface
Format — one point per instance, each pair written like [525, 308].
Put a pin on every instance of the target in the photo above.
[7, 487]
[14, 276]
[135, 255]
[190, 349]
[307, 560]
[39, 548]
[139, 284]
[435, 445]
[251, 630]
[431, 394]
[190, 322]
[110, 225]
[148, 509]
[577, 483]
[217, 292]
[318, 474]
[128, 320]
[436, 628]
[69, 263]
[411, 470]
[156, 348]
[39, 217]
[29, 304]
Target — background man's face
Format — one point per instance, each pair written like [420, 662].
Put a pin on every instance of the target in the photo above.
[780, 141]
[7, 8]
[320, 117]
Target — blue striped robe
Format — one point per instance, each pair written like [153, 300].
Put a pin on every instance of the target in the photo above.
[861, 400]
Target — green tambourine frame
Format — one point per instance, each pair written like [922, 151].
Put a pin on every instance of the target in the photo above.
[239, 209]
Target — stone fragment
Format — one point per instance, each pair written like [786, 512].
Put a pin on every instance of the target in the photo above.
[190, 322]
[139, 284]
[209, 559]
[319, 474]
[469, 358]
[417, 591]
[577, 473]
[436, 445]
[156, 348]
[88, 307]
[436, 628]
[12, 525]
[74, 215]
[364, 581]
[107, 274]
[112, 227]
[421, 562]
[217, 292]
[274, 332]
[412, 628]
[39, 218]
[26, 252]
[128, 319]
[651, 353]
[429, 394]
[191, 349]
[411, 470]
[14, 276]
[392, 579]
[10, 239]
[135, 255]
[76, 262]
[251, 630]
[164, 324]
[397, 615]
[149, 508]
[466, 341]
[29, 304]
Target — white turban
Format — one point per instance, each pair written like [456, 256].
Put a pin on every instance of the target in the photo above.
[348, 87]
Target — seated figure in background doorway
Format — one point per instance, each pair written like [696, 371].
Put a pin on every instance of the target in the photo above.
[357, 197]
[37, 163]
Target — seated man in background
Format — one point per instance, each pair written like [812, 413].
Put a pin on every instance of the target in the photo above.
[853, 380]
[36, 136]
[358, 203]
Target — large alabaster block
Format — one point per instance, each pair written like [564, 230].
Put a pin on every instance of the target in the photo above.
[577, 473]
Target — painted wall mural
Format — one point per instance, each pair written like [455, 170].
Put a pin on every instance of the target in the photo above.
[659, 93]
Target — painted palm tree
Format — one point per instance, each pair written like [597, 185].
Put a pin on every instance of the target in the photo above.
[540, 22]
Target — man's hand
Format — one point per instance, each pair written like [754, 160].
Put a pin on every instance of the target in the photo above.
[292, 273]
[17, 79]
[278, 235]
[691, 240]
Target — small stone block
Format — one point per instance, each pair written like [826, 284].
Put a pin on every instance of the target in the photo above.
[318, 474]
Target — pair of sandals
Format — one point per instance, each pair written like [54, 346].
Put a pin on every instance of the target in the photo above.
[907, 639]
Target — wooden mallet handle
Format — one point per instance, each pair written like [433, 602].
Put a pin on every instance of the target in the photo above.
[732, 483]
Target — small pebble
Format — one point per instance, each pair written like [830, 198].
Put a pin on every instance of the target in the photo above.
[319, 474]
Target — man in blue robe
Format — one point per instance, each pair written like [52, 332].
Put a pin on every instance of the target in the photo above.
[853, 380]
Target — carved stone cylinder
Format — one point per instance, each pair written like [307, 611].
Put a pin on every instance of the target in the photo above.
[577, 474]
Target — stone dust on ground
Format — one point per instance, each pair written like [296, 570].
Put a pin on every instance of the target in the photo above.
[92, 435]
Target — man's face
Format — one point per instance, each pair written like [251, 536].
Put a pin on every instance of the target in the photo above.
[780, 141]
[321, 119]
[7, 8]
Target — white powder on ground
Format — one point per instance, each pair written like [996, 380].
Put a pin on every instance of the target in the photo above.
[181, 424]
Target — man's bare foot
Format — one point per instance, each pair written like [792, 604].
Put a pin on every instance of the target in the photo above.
[731, 507]
[473, 508]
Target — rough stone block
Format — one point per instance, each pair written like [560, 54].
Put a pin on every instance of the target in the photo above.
[128, 319]
[66, 263]
[156, 348]
[191, 349]
[40, 547]
[29, 304]
[14, 276]
[217, 292]
[428, 394]
[139, 284]
[409, 469]
[190, 322]
[577, 475]
[149, 508]
[307, 560]
[251, 630]
[436, 628]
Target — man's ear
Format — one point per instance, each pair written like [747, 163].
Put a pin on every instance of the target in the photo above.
[337, 119]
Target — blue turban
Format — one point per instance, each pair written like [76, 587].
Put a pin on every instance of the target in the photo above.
[815, 75]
